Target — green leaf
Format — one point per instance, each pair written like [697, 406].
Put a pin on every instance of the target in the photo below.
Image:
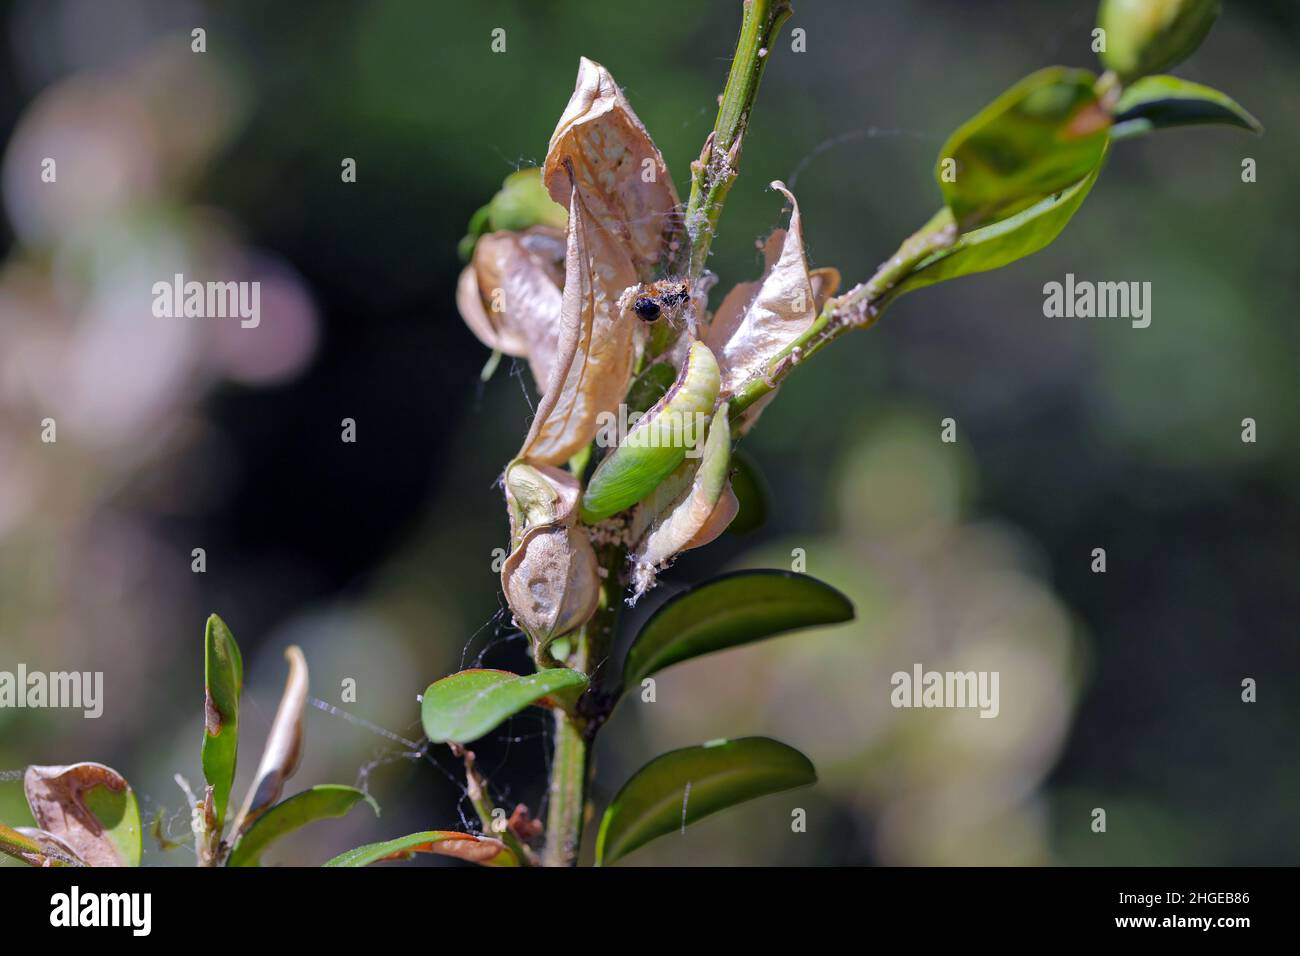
[682, 786]
[318, 803]
[751, 491]
[485, 851]
[223, 674]
[521, 202]
[1159, 102]
[1045, 133]
[88, 807]
[728, 611]
[1147, 36]
[465, 706]
[1000, 244]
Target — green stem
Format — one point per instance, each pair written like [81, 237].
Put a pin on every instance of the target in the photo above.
[476, 789]
[716, 169]
[565, 815]
[572, 768]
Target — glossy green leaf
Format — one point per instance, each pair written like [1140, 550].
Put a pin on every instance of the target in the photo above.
[1147, 36]
[484, 851]
[465, 706]
[90, 808]
[751, 491]
[674, 790]
[728, 611]
[1000, 244]
[1045, 133]
[1159, 102]
[318, 803]
[223, 673]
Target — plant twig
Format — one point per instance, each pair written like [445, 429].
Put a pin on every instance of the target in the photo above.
[711, 178]
[476, 790]
[571, 765]
[567, 810]
[716, 169]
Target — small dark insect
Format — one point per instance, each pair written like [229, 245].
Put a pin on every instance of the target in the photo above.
[646, 308]
[664, 297]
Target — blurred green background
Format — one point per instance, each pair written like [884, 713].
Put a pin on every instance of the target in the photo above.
[1118, 690]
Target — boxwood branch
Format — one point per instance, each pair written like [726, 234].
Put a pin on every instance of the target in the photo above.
[716, 169]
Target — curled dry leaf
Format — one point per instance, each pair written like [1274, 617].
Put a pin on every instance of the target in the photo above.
[550, 579]
[688, 510]
[538, 495]
[283, 749]
[825, 283]
[593, 359]
[757, 320]
[79, 821]
[509, 295]
[48, 850]
[621, 175]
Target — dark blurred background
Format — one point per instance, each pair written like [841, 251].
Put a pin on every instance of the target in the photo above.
[1119, 690]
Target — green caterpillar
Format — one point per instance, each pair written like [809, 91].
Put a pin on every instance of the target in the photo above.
[658, 442]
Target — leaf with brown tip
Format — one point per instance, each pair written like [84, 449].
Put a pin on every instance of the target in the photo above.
[88, 808]
[485, 851]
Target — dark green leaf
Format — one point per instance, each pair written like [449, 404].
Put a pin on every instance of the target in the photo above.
[223, 672]
[1045, 133]
[1159, 102]
[485, 851]
[999, 244]
[318, 803]
[752, 493]
[680, 787]
[465, 706]
[731, 610]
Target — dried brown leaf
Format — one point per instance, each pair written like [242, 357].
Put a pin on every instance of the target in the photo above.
[510, 295]
[617, 167]
[593, 360]
[757, 320]
[550, 579]
[283, 751]
[551, 582]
